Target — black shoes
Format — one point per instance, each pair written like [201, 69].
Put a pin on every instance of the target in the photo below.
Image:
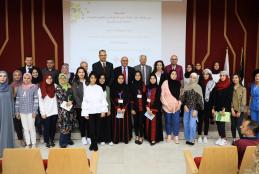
[189, 143]
[93, 147]
[70, 142]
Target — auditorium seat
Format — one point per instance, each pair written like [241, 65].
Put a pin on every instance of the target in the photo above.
[70, 160]
[248, 159]
[22, 161]
[215, 160]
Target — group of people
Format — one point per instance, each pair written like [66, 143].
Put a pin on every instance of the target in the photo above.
[109, 103]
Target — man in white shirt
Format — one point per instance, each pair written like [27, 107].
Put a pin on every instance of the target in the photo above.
[28, 65]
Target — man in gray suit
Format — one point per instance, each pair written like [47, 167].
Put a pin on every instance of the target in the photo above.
[144, 69]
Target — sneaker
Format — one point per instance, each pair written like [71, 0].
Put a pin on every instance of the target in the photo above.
[84, 141]
[102, 143]
[218, 141]
[176, 140]
[27, 147]
[111, 143]
[33, 146]
[223, 142]
[200, 140]
[205, 140]
[88, 140]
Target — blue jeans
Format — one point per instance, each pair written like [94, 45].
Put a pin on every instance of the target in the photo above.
[190, 125]
[255, 117]
[172, 123]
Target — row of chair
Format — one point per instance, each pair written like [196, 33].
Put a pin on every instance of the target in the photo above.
[65, 161]
[219, 160]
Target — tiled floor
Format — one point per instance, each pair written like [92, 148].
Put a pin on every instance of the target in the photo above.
[163, 158]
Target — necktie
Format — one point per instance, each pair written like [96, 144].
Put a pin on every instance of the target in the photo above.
[125, 74]
[143, 73]
[104, 66]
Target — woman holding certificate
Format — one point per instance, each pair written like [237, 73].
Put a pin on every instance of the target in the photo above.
[66, 112]
[222, 105]
[138, 90]
[154, 132]
[94, 106]
[171, 105]
[120, 117]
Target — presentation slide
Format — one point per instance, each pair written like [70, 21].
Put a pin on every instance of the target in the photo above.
[122, 28]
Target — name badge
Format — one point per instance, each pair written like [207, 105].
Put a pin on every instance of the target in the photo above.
[139, 96]
[148, 100]
[120, 101]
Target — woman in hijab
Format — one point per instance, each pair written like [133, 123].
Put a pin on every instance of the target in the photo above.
[120, 115]
[171, 105]
[17, 81]
[189, 70]
[192, 100]
[36, 80]
[65, 70]
[66, 115]
[154, 132]
[207, 84]
[138, 91]
[36, 76]
[222, 103]
[48, 108]
[215, 71]
[6, 114]
[26, 108]
[105, 128]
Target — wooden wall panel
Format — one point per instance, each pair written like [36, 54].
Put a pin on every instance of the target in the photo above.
[234, 24]
[28, 34]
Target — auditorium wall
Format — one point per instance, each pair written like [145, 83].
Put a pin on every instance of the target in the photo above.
[30, 28]
[35, 28]
[214, 25]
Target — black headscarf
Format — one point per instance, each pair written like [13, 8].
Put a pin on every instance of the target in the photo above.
[118, 87]
[187, 74]
[138, 84]
[38, 79]
[174, 86]
[102, 85]
[151, 86]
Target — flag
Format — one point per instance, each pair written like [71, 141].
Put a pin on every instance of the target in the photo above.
[241, 71]
[226, 65]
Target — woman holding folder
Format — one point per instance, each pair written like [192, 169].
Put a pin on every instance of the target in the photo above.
[154, 132]
[120, 117]
[66, 112]
[222, 105]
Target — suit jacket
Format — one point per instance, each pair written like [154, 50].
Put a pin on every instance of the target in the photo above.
[98, 68]
[23, 69]
[131, 73]
[148, 72]
[54, 73]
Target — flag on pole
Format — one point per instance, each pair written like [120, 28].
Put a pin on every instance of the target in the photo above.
[241, 72]
[226, 65]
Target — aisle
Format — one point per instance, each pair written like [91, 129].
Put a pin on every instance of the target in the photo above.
[134, 159]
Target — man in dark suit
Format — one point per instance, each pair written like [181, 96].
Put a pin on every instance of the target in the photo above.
[28, 65]
[50, 69]
[143, 68]
[103, 66]
[126, 70]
